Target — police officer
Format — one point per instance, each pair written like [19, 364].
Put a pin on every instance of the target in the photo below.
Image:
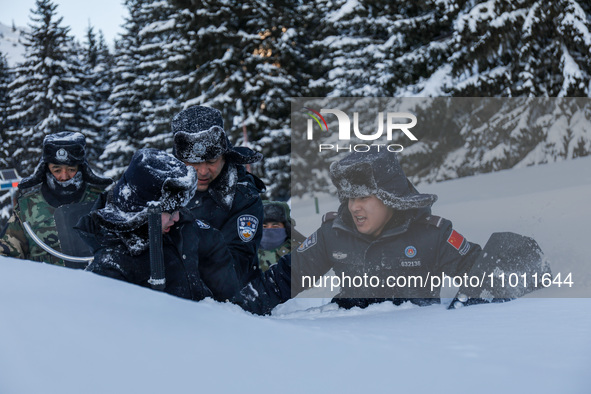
[196, 262]
[62, 176]
[227, 194]
[384, 228]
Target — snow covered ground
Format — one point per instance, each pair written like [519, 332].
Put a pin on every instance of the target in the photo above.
[68, 331]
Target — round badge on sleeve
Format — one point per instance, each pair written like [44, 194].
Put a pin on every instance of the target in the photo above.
[247, 227]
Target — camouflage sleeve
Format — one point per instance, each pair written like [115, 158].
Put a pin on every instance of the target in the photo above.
[13, 242]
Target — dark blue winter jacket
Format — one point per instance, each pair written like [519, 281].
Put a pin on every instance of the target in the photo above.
[232, 204]
[197, 263]
[415, 245]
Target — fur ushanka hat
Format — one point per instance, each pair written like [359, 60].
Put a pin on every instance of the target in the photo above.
[199, 136]
[277, 211]
[65, 148]
[362, 174]
[153, 178]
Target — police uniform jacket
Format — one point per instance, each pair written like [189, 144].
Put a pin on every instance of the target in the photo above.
[414, 247]
[196, 261]
[232, 205]
[410, 250]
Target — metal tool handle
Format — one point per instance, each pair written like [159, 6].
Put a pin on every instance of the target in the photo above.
[54, 252]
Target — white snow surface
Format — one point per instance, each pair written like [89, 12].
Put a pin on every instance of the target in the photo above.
[70, 331]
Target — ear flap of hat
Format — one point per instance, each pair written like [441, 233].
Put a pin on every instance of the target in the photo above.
[243, 155]
[92, 178]
[34, 179]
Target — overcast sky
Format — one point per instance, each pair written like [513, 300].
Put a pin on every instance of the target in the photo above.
[105, 15]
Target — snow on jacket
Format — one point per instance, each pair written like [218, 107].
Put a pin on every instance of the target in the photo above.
[232, 205]
[197, 262]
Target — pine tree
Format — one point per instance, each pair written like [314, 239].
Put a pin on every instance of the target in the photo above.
[224, 41]
[5, 79]
[85, 103]
[502, 48]
[353, 43]
[425, 41]
[96, 61]
[275, 72]
[242, 54]
[526, 48]
[103, 83]
[43, 95]
[123, 132]
[163, 72]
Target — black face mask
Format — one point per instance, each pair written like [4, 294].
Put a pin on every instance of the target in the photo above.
[66, 188]
[273, 238]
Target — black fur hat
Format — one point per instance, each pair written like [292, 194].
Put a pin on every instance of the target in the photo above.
[153, 178]
[65, 148]
[199, 136]
[377, 173]
[277, 211]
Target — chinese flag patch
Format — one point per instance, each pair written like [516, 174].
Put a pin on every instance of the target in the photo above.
[455, 239]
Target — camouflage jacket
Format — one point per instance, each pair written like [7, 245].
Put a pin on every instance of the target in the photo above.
[269, 257]
[34, 209]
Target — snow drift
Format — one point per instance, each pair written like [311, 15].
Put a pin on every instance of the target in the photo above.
[70, 331]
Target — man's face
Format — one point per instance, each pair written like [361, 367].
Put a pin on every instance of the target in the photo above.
[168, 220]
[62, 172]
[370, 215]
[207, 171]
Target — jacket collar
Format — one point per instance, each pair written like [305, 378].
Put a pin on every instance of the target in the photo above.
[223, 188]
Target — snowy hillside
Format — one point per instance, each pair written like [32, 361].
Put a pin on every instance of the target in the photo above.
[10, 45]
[68, 331]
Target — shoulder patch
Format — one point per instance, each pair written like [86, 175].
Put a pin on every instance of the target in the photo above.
[202, 224]
[308, 243]
[458, 242]
[247, 227]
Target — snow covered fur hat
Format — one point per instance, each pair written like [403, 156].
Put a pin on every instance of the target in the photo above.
[363, 174]
[65, 148]
[153, 178]
[199, 136]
